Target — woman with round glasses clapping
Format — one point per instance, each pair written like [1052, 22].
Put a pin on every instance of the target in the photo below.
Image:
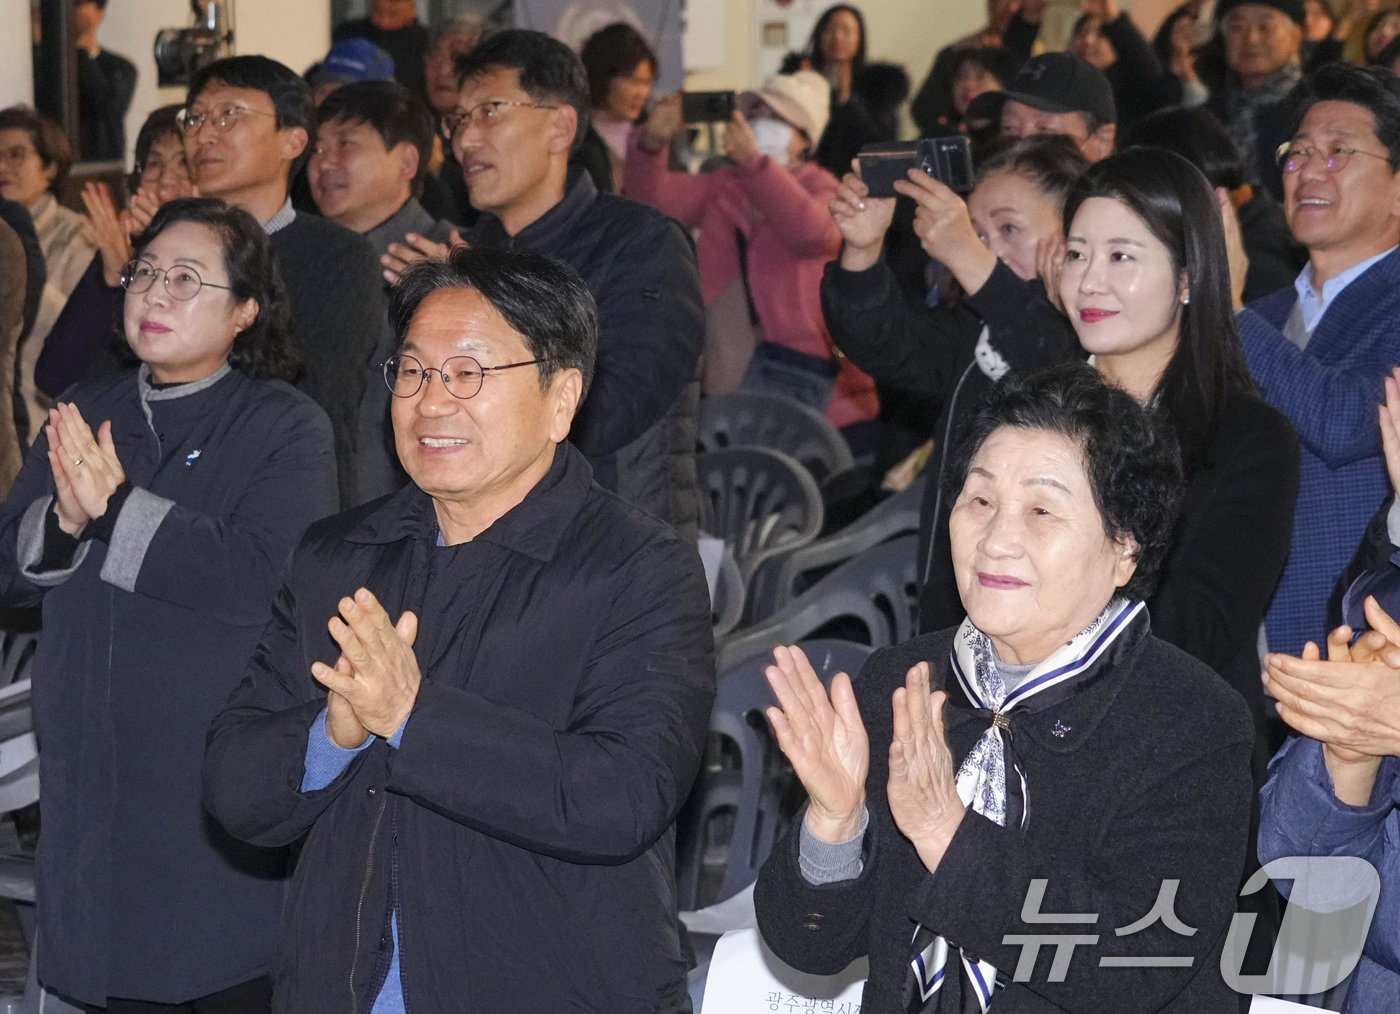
[152, 519]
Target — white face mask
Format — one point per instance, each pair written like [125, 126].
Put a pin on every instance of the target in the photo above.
[773, 138]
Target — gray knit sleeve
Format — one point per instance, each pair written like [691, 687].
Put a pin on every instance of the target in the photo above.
[827, 862]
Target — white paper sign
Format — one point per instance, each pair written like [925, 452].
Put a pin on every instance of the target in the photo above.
[1269, 1005]
[747, 978]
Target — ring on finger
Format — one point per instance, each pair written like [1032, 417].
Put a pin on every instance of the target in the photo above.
[77, 461]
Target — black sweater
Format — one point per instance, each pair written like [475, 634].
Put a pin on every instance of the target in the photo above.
[1136, 779]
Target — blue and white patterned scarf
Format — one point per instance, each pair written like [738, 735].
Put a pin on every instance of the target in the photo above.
[983, 781]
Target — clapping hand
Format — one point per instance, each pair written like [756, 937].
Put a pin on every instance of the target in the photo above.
[415, 248]
[109, 230]
[1390, 428]
[1234, 246]
[1350, 702]
[922, 787]
[824, 740]
[1050, 255]
[86, 469]
[374, 684]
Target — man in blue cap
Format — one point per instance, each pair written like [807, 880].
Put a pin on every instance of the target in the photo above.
[350, 60]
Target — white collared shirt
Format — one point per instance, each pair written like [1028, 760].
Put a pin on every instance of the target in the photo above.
[1310, 305]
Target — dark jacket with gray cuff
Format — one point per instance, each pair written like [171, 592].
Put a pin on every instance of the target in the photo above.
[140, 894]
[1138, 778]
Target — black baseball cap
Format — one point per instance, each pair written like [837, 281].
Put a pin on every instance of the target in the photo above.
[1056, 83]
[1292, 9]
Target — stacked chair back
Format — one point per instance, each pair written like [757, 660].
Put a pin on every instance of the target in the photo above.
[760, 502]
[871, 598]
[759, 419]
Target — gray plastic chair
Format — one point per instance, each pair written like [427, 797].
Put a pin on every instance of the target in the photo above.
[755, 792]
[763, 419]
[19, 786]
[16, 649]
[758, 501]
[727, 608]
[878, 589]
[784, 575]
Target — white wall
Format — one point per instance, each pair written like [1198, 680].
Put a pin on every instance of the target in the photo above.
[296, 32]
[16, 58]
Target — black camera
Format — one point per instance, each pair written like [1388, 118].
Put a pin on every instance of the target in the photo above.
[708, 107]
[946, 159]
[181, 52]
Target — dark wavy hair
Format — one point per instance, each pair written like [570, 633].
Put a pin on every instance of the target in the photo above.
[1131, 457]
[550, 72]
[1177, 205]
[613, 51]
[814, 41]
[265, 349]
[542, 299]
[49, 140]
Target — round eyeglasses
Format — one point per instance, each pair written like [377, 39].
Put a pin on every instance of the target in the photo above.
[181, 281]
[224, 119]
[1292, 157]
[461, 375]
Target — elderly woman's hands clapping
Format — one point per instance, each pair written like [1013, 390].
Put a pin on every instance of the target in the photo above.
[922, 788]
[86, 469]
[825, 741]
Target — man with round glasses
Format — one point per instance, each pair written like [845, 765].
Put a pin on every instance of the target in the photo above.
[485, 757]
[247, 124]
[1322, 348]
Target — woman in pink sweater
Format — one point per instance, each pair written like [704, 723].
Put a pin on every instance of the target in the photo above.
[764, 237]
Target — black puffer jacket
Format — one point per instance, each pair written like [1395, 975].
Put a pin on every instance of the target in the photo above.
[638, 422]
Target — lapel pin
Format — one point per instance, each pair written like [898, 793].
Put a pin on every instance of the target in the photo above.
[191, 458]
[1059, 730]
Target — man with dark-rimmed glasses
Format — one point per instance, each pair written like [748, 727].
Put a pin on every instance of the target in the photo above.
[485, 756]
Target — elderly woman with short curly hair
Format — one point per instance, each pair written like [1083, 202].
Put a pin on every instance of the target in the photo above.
[1048, 762]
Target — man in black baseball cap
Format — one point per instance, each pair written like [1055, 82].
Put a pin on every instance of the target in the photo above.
[1055, 93]
[1263, 42]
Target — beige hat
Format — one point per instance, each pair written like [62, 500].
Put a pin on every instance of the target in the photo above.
[802, 99]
